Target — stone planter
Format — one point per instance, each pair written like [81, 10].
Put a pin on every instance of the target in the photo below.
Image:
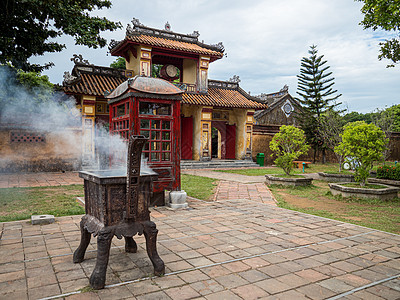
[383, 194]
[384, 181]
[271, 179]
[336, 177]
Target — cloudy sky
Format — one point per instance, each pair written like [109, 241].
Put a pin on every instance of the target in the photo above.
[264, 43]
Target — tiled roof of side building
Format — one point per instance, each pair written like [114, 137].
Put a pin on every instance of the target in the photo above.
[220, 96]
[93, 84]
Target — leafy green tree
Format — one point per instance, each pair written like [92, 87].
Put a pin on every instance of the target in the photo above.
[119, 63]
[331, 130]
[356, 116]
[315, 87]
[28, 28]
[382, 14]
[19, 85]
[287, 145]
[384, 119]
[395, 111]
[364, 143]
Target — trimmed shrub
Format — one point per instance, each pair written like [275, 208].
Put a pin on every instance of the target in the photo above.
[388, 172]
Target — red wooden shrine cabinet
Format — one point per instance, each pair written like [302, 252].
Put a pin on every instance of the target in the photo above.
[151, 107]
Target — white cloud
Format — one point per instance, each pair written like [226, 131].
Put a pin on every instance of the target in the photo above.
[264, 42]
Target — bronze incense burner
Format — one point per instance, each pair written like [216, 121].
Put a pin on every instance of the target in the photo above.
[117, 203]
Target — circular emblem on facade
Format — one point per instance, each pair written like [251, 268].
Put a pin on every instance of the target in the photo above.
[171, 71]
[287, 108]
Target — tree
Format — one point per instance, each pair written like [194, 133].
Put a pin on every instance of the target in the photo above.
[364, 143]
[395, 111]
[384, 15]
[119, 63]
[28, 28]
[331, 130]
[356, 116]
[315, 87]
[288, 144]
[31, 83]
[384, 119]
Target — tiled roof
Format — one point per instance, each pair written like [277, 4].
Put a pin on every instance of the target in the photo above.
[172, 44]
[97, 84]
[94, 84]
[221, 97]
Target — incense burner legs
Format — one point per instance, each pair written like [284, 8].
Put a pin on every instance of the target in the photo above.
[79, 253]
[150, 233]
[130, 245]
[104, 238]
[98, 278]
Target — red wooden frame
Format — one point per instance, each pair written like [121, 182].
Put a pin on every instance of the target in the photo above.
[163, 131]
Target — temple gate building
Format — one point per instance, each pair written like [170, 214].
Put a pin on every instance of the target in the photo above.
[216, 116]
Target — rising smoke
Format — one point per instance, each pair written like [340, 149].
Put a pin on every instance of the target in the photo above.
[53, 114]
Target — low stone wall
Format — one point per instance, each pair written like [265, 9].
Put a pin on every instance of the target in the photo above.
[336, 177]
[24, 150]
[271, 179]
[383, 194]
[384, 181]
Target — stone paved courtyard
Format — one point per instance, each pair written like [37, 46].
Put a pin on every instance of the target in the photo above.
[227, 249]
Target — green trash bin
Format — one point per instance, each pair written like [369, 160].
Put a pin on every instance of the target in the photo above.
[260, 159]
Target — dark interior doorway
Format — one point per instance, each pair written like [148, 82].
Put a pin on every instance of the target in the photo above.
[214, 142]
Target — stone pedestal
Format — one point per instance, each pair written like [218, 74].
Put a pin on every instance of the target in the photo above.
[177, 199]
[42, 219]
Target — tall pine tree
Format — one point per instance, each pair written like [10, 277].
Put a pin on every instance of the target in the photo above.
[315, 87]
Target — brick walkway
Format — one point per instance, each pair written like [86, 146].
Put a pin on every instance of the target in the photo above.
[231, 190]
[39, 179]
[227, 249]
[236, 186]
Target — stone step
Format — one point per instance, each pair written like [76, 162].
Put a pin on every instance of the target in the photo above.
[217, 164]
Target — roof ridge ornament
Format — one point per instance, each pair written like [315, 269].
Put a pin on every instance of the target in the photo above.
[219, 46]
[68, 78]
[167, 26]
[235, 79]
[136, 22]
[78, 59]
[195, 34]
[285, 89]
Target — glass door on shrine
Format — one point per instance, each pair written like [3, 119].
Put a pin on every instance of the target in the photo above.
[155, 123]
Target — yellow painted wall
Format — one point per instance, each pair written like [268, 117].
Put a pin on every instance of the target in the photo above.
[189, 71]
[240, 116]
[134, 63]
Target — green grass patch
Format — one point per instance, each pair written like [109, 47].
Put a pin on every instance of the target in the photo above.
[312, 168]
[366, 186]
[21, 203]
[198, 187]
[318, 200]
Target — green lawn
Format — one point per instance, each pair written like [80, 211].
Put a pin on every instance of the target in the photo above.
[199, 187]
[312, 168]
[317, 200]
[21, 203]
